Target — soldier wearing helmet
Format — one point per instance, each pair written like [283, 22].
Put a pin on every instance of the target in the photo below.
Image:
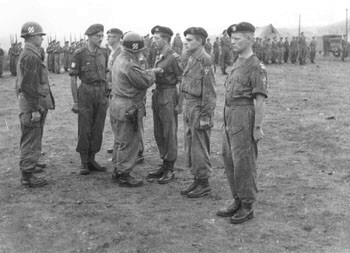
[34, 99]
[198, 86]
[89, 63]
[129, 85]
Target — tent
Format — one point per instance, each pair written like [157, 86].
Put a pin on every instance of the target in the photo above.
[268, 31]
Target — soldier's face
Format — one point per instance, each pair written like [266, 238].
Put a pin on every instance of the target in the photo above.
[158, 41]
[112, 38]
[240, 42]
[96, 39]
[191, 43]
[37, 40]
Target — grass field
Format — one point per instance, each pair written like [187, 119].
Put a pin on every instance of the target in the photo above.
[303, 179]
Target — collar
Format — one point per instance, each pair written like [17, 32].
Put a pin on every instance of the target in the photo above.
[31, 47]
[198, 53]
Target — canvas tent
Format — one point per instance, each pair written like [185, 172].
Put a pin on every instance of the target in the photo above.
[268, 31]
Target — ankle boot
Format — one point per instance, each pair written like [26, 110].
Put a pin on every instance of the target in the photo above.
[158, 173]
[168, 174]
[202, 189]
[93, 165]
[84, 168]
[230, 210]
[190, 188]
[29, 180]
[244, 213]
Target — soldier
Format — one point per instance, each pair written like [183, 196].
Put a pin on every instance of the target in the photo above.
[177, 44]
[280, 47]
[90, 64]
[129, 86]
[245, 93]
[34, 99]
[52, 56]
[70, 53]
[208, 46]
[114, 37]
[225, 52]
[286, 50]
[267, 51]
[165, 103]
[57, 57]
[198, 87]
[1, 60]
[15, 54]
[302, 49]
[65, 51]
[216, 50]
[48, 52]
[42, 53]
[10, 55]
[344, 48]
[313, 45]
[274, 50]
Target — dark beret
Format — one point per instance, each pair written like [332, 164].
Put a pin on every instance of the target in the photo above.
[115, 30]
[242, 27]
[93, 29]
[196, 31]
[162, 29]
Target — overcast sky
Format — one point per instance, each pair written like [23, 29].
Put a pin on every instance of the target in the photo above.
[62, 17]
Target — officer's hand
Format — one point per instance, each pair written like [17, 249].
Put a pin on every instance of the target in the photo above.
[178, 109]
[75, 108]
[157, 70]
[258, 134]
[204, 124]
[36, 116]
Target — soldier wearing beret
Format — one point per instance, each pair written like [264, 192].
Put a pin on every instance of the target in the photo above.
[245, 93]
[198, 87]
[65, 51]
[90, 64]
[165, 103]
[114, 36]
[225, 52]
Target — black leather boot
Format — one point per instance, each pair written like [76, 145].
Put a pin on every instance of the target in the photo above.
[93, 165]
[230, 210]
[244, 213]
[29, 180]
[126, 180]
[168, 174]
[190, 188]
[158, 173]
[84, 168]
[202, 189]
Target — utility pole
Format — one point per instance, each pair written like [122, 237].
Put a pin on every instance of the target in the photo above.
[346, 25]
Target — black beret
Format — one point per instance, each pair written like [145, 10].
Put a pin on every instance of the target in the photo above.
[242, 27]
[162, 29]
[93, 29]
[115, 30]
[196, 31]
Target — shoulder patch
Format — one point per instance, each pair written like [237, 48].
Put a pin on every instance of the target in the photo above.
[176, 55]
[262, 66]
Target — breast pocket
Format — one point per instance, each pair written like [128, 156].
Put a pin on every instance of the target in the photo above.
[89, 72]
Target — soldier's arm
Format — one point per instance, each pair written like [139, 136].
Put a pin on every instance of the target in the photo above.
[139, 78]
[74, 73]
[208, 95]
[178, 70]
[30, 66]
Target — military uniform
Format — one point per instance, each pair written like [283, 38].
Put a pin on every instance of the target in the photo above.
[34, 95]
[1, 60]
[313, 45]
[177, 44]
[198, 86]
[91, 68]
[65, 51]
[226, 54]
[286, 46]
[129, 86]
[208, 47]
[216, 51]
[302, 50]
[57, 58]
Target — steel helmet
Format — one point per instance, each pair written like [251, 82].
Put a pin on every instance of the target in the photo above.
[133, 42]
[31, 29]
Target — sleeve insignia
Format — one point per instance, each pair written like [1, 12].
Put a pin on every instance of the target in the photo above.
[73, 65]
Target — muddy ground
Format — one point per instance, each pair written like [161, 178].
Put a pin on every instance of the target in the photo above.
[303, 179]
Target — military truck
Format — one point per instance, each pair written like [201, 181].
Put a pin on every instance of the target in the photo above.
[332, 44]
